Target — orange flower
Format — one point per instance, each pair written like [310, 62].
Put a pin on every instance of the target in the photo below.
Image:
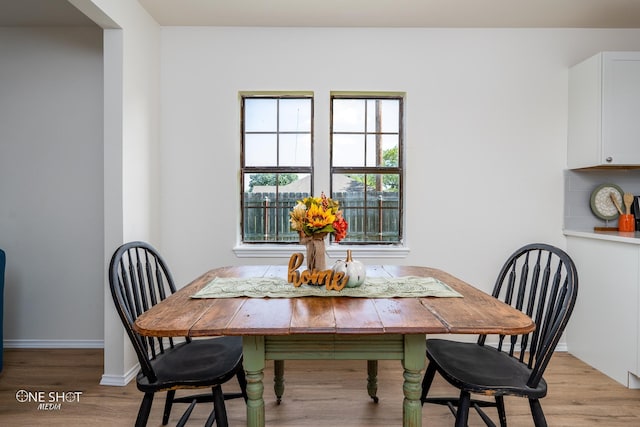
[340, 225]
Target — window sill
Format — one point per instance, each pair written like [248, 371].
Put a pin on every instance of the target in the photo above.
[333, 251]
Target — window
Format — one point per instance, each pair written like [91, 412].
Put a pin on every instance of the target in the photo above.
[276, 162]
[366, 165]
[365, 169]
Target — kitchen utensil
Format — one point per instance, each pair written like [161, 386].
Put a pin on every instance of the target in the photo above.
[615, 202]
[628, 201]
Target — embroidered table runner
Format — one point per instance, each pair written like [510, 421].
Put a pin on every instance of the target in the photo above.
[374, 287]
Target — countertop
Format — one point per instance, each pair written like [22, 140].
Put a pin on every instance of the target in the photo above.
[612, 236]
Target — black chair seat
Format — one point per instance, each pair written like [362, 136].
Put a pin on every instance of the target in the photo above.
[198, 363]
[480, 369]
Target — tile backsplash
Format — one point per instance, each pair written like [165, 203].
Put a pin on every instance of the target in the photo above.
[578, 185]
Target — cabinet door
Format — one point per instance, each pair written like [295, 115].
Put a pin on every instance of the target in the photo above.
[603, 329]
[621, 108]
[584, 143]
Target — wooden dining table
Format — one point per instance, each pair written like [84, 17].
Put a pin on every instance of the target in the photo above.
[332, 328]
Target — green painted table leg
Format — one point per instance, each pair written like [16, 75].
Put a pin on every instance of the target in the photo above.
[372, 379]
[413, 364]
[278, 379]
[254, 361]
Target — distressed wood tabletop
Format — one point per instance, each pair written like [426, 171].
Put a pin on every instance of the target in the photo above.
[475, 313]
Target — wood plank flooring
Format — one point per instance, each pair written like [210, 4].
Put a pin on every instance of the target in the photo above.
[318, 393]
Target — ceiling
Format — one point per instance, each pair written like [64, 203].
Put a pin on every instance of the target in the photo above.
[348, 13]
[398, 13]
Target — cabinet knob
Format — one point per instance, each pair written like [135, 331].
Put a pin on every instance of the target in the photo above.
[609, 159]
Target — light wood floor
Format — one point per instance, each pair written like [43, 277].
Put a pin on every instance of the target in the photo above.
[321, 393]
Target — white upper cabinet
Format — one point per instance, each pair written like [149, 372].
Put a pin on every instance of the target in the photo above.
[604, 111]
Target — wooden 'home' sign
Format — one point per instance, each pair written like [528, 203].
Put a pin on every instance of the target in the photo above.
[332, 280]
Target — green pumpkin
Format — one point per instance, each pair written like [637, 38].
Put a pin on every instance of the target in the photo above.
[355, 270]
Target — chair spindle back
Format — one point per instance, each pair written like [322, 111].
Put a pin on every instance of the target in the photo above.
[139, 279]
[541, 281]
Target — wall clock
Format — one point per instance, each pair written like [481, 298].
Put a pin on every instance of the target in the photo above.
[601, 203]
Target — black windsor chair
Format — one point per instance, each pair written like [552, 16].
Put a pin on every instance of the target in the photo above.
[139, 278]
[539, 280]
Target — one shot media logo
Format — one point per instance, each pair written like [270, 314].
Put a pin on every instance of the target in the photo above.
[48, 400]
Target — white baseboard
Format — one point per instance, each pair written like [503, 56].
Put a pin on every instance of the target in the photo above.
[120, 380]
[53, 343]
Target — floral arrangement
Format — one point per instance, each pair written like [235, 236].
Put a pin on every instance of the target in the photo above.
[318, 215]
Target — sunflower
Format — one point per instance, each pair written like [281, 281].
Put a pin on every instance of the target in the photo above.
[318, 218]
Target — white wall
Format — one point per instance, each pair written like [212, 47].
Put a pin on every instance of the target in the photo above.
[51, 177]
[486, 115]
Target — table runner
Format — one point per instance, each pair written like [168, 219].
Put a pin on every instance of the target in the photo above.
[374, 287]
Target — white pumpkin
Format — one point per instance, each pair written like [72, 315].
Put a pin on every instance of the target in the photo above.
[355, 270]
